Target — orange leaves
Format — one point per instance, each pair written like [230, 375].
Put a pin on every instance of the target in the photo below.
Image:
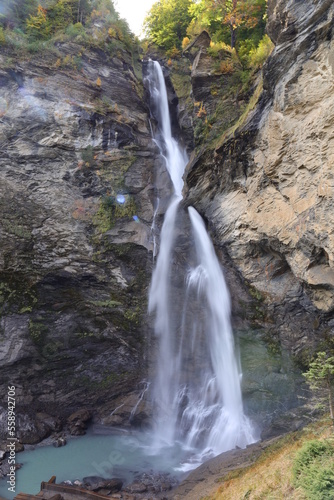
[112, 32]
[41, 11]
[237, 13]
[185, 42]
[84, 209]
[38, 27]
[201, 109]
[226, 67]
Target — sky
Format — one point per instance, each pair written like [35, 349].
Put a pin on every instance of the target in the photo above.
[134, 12]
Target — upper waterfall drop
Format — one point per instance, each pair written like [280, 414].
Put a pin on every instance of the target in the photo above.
[175, 157]
[159, 295]
[196, 392]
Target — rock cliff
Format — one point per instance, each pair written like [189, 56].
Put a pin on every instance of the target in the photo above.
[267, 188]
[76, 200]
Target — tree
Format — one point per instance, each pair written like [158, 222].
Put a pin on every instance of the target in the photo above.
[231, 13]
[167, 21]
[81, 9]
[14, 13]
[38, 26]
[320, 375]
[60, 15]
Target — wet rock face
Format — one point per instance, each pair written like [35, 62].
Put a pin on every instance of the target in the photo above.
[76, 202]
[267, 191]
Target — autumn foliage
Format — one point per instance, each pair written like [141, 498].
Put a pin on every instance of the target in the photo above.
[38, 25]
[238, 23]
[236, 13]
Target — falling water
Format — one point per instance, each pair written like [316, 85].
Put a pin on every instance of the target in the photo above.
[197, 392]
[220, 396]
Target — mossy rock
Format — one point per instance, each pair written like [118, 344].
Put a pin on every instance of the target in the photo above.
[111, 210]
[37, 332]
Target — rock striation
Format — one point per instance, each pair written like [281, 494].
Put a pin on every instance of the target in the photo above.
[76, 201]
[267, 189]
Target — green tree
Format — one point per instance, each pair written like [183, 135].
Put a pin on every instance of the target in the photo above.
[233, 14]
[104, 10]
[167, 21]
[81, 9]
[60, 15]
[38, 26]
[320, 376]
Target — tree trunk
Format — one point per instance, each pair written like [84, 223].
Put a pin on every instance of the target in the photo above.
[233, 37]
[331, 401]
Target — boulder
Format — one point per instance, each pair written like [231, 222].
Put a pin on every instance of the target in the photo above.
[61, 441]
[77, 422]
[136, 487]
[96, 483]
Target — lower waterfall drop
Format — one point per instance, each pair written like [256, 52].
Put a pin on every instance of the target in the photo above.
[196, 392]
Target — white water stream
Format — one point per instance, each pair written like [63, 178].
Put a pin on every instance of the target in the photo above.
[197, 392]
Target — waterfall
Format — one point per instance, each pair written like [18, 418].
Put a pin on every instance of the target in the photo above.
[222, 396]
[196, 392]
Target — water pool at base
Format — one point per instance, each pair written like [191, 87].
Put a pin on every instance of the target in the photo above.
[124, 456]
[271, 386]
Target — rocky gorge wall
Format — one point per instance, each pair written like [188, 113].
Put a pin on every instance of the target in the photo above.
[267, 188]
[77, 172]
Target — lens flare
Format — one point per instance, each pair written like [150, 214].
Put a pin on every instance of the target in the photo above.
[120, 198]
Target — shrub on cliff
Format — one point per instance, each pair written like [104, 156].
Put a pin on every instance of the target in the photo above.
[111, 25]
[88, 22]
[313, 470]
[57, 17]
[231, 21]
[320, 377]
[258, 56]
[2, 36]
[60, 15]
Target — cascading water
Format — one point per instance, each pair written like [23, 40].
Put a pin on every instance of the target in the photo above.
[220, 397]
[197, 392]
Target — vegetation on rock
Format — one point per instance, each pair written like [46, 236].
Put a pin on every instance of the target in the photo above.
[238, 24]
[230, 17]
[297, 466]
[313, 469]
[224, 72]
[91, 23]
[320, 377]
